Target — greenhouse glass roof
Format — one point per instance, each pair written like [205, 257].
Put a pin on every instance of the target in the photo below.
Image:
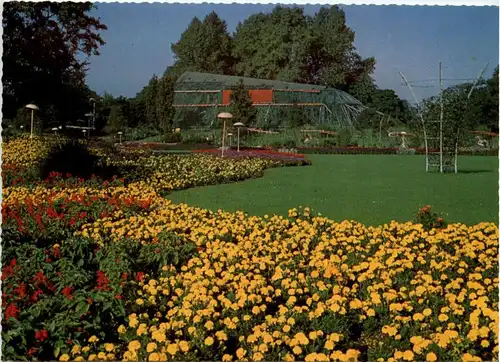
[206, 81]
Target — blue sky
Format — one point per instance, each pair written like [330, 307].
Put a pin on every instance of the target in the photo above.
[411, 39]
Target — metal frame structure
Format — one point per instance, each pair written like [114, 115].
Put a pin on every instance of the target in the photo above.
[441, 151]
[318, 104]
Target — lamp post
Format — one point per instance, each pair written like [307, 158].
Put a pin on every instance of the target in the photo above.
[33, 109]
[238, 125]
[120, 135]
[93, 112]
[89, 115]
[55, 130]
[224, 116]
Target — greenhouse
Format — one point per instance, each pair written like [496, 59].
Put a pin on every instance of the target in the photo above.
[199, 97]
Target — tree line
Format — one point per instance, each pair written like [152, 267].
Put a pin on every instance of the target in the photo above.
[42, 43]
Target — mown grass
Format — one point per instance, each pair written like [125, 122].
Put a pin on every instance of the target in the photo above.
[371, 189]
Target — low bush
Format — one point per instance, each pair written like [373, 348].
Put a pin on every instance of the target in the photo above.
[430, 220]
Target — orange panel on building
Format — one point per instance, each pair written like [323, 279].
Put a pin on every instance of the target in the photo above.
[261, 95]
[257, 96]
[226, 96]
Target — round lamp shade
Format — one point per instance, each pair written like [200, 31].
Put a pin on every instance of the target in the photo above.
[32, 106]
[239, 124]
[224, 115]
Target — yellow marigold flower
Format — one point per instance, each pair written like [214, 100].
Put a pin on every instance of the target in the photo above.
[109, 347]
[64, 357]
[79, 358]
[297, 350]
[427, 312]
[485, 343]
[418, 317]
[154, 357]
[134, 346]
[310, 357]
[75, 349]
[391, 331]
[93, 339]
[172, 348]
[431, 357]
[209, 341]
[258, 356]
[227, 358]
[92, 357]
[408, 355]
[398, 355]
[184, 346]
[286, 328]
[85, 349]
[102, 356]
[240, 353]
[329, 345]
[151, 347]
[443, 317]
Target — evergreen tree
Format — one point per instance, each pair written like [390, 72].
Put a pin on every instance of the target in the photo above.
[241, 105]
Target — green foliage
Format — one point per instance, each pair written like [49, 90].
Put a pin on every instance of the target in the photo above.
[429, 220]
[164, 101]
[116, 120]
[34, 33]
[241, 105]
[150, 95]
[345, 137]
[205, 46]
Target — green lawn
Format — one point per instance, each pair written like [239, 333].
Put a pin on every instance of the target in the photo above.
[371, 189]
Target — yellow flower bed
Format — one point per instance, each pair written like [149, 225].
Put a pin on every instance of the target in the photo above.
[300, 287]
[26, 152]
[286, 289]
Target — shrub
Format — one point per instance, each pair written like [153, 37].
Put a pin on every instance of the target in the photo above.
[172, 137]
[429, 220]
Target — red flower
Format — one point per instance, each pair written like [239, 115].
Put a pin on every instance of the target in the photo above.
[67, 292]
[32, 351]
[11, 311]
[9, 269]
[89, 300]
[40, 278]
[118, 296]
[21, 290]
[72, 222]
[34, 297]
[42, 335]
[139, 276]
[124, 276]
[102, 281]
[56, 252]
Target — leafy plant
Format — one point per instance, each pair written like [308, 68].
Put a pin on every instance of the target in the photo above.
[430, 220]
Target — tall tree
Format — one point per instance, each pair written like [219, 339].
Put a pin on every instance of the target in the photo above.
[42, 47]
[271, 46]
[288, 45]
[150, 101]
[203, 47]
[164, 101]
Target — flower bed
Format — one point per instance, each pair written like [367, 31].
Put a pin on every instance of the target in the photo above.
[98, 270]
[257, 153]
[385, 151]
